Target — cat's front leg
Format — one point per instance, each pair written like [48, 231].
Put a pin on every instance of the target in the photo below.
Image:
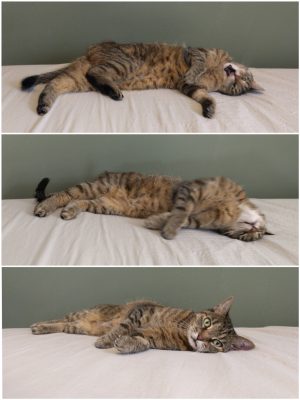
[107, 340]
[207, 102]
[131, 344]
[176, 221]
[200, 94]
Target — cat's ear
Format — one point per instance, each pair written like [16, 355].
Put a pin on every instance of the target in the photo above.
[224, 307]
[256, 86]
[241, 343]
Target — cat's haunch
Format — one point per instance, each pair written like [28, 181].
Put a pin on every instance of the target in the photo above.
[143, 325]
[110, 67]
[167, 203]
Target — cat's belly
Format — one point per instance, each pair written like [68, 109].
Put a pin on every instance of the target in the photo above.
[150, 81]
[146, 77]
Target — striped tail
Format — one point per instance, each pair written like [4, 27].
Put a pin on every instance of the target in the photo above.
[40, 194]
[31, 81]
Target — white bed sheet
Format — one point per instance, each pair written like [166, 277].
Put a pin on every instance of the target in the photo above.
[69, 366]
[112, 240]
[276, 110]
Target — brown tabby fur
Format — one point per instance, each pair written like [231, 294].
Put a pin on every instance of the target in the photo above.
[169, 203]
[142, 325]
[110, 68]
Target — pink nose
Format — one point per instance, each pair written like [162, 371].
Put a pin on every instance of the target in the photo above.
[200, 337]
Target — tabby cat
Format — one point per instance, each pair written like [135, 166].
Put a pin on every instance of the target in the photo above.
[143, 325]
[109, 68]
[168, 203]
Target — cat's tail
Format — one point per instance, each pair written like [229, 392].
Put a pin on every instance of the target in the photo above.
[31, 81]
[40, 194]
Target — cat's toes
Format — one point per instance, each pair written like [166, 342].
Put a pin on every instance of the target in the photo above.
[208, 108]
[68, 213]
[42, 109]
[168, 234]
[38, 329]
[116, 96]
[40, 211]
[122, 345]
[103, 343]
[151, 223]
[250, 236]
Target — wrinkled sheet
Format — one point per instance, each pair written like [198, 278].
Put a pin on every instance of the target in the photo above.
[160, 110]
[69, 366]
[112, 240]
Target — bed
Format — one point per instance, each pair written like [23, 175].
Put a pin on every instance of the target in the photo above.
[276, 110]
[112, 240]
[69, 366]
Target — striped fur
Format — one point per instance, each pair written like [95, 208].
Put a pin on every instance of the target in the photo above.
[168, 203]
[143, 325]
[110, 68]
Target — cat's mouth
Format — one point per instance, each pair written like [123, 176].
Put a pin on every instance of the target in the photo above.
[195, 338]
[229, 70]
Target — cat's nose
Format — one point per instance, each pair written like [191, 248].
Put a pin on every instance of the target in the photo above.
[200, 337]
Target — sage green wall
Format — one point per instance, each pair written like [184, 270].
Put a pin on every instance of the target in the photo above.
[266, 165]
[263, 296]
[259, 34]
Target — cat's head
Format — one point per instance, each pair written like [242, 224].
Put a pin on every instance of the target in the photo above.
[250, 225]
[237, 79]
[212, 331]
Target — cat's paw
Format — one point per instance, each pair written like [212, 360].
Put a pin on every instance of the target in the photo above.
[156, 221]
[116, 95]
[250, 236]
[168, 233]
[104, 342]
[124, 345]
[42, 109]
[208, 107]
[38, 329]
[41, 210]
[69, 213]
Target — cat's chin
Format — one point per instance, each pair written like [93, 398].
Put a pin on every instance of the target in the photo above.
[192, 338]
[201, 346]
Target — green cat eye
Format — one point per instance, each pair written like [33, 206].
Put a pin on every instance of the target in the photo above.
[217, 343]
[206, 322]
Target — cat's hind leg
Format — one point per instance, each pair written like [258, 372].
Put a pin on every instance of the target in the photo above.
[50, 204]
[72, 79]
[53, 326]
[106, 204]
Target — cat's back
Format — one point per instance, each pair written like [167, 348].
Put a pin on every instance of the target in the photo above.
[135, 183]
[147, 65]
[222, 189]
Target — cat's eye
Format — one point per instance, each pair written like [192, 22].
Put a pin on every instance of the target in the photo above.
[206, 322]
[217, 343]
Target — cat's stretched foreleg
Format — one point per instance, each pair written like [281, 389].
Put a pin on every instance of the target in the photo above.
[199, 93]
